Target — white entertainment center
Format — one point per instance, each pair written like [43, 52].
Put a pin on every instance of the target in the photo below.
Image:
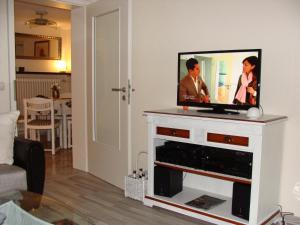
[262, 136]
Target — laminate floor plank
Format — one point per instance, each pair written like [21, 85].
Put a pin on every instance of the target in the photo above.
[102, 202]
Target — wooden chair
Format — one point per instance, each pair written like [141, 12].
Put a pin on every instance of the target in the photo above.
[41, 113]
[63, 112]
[68, 110]
[69, 131]
[20, 126]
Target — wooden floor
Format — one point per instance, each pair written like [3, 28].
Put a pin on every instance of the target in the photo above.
[103, 203]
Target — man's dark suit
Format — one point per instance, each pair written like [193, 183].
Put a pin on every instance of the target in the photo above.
[188, 91]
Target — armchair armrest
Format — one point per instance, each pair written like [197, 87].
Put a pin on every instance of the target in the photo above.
[30, 156]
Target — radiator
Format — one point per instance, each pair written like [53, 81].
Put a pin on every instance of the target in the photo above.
[31, 87]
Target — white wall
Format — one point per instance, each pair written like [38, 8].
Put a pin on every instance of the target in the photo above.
[79, 89]
[4, 58]
[161, 29]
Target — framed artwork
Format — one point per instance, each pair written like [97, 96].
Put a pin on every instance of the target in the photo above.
[41, 48]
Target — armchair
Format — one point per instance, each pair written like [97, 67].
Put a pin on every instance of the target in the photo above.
[29, 155]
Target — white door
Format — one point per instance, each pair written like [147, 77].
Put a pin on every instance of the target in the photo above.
[107, 89]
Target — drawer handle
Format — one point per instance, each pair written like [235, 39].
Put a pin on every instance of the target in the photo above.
[174, 132]
[228, 139]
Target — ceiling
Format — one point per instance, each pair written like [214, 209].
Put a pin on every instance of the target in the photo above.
[27, 10]
[76, 2]
[49, 3]
[58, 10]
[62, 4]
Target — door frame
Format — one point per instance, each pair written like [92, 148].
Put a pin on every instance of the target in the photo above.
[12, 75]
[11, 54]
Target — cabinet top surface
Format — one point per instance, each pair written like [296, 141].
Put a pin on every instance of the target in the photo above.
[194, 113]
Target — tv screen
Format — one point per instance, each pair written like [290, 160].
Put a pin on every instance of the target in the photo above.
[227, 79]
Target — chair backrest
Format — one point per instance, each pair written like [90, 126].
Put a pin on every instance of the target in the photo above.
[38, 106]
[63, 106]
[67, 106]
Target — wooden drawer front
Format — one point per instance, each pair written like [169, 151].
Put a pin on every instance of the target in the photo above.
[228, 139]
[173, 132]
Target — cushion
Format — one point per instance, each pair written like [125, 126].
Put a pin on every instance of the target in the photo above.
[12, 177]
[16, 215]
[7, 134]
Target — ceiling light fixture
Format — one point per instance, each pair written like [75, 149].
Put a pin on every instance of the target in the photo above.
[41, 21]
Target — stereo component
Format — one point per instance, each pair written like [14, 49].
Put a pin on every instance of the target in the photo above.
[220, 160]
[167, 182]
[241, 200]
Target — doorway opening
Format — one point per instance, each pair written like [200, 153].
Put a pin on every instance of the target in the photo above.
[43, 69]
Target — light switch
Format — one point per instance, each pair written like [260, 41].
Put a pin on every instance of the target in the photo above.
[2, 86]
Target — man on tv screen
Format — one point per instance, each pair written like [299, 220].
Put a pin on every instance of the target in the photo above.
[192, 88]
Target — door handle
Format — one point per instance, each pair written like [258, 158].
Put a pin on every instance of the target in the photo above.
[123, 89]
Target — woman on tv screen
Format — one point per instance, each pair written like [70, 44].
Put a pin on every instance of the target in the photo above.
[247, 84]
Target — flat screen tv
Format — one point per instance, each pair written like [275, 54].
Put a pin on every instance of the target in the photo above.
[219, 80]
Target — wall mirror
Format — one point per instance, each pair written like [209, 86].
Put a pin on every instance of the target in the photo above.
[30, 46]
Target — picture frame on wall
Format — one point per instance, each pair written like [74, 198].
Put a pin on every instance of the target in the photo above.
[41, 48]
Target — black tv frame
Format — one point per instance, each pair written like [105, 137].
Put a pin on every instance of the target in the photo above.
[216, 107]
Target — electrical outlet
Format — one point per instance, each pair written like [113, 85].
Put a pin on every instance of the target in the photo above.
[292, 220]
[2, 86]
[277, 221]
